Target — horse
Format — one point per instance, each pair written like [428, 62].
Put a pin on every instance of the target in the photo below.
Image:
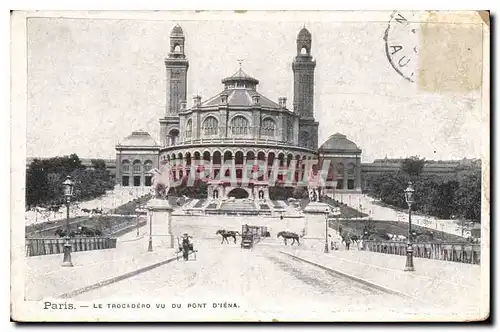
[225, 234]
[289, 235]
[355, 238]
[346, 237]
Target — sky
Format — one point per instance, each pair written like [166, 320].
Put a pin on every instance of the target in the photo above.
[91, 82]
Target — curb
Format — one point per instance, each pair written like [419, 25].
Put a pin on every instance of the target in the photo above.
[349, 276]
[115, 279]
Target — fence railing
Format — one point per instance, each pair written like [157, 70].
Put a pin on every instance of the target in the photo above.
[454, 252]
[124, 229]
[46, 246]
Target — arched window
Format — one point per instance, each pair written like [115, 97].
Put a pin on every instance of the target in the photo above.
[125, 166]
[304, 51]
[172, 136]
[210, 126]
[239, 125]
[177, 48]
[268, 127]
[136, 168]
[189, 128]
[148, 165]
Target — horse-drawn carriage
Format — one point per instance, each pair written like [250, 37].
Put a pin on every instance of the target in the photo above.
[247, 240]
[252, 234]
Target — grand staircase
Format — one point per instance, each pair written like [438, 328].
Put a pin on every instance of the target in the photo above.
[238, 206]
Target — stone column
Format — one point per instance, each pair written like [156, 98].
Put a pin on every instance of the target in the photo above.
[296, 131]
[244, 173]
[358, 174]
[210, 192]
[182, 129]
[280, 128]
[118, 172]
[160, 217]
[346, 174]
[184, 164]
[194, 126]
[178, 164]
[266, 192]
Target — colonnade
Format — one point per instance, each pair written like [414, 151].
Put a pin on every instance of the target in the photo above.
[346, 172]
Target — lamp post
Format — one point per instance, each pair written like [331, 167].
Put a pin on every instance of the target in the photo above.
[409, 197]
[150, 245]
[68, 193]
[327, 211]
[137, 222]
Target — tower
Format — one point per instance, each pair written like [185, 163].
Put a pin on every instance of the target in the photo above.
[303, 90]
[176, 65]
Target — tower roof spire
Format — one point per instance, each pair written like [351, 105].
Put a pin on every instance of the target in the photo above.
[177, 31]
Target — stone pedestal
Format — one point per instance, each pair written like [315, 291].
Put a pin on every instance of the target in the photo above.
[316, 215]
[317, 207]
[160, 219]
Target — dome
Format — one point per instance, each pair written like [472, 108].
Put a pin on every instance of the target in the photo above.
[138, 138]
[240, 98]
[240, 75]
[240, 90]
[304, 34]
[177, 31]
[339, 142]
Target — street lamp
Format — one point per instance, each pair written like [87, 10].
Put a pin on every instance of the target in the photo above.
[409, 197]
[137, 221]
[150, 245]
[68, 193]
[327, 211]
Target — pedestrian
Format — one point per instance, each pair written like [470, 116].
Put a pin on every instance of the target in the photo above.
[347, 243]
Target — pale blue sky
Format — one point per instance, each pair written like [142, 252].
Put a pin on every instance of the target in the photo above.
[92, 82]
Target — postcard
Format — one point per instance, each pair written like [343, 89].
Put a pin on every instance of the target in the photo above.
[250, 166]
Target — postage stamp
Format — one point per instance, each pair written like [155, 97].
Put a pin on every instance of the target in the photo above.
[250, 166]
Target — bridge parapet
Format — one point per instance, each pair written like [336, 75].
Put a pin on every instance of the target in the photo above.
[454, 252]
[47, 246]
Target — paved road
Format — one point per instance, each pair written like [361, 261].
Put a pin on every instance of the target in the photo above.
[261, 279]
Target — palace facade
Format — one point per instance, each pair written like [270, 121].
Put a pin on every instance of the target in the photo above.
[237, 126]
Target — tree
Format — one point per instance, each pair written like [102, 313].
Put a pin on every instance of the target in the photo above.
[98, 164]
[44, 179]
[468, 197]
[436, 195]
[413, 166]
[36, 182]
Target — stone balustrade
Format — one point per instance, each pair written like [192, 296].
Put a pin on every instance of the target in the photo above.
[455, 252]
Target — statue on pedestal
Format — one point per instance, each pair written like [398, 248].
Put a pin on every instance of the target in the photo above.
[161, 182]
